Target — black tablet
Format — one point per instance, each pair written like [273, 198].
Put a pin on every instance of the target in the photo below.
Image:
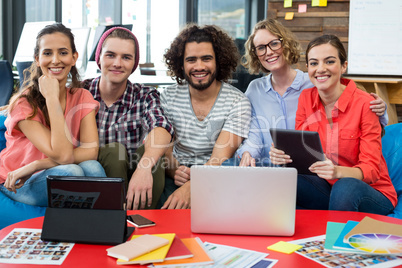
[86, 192]
[304, 147]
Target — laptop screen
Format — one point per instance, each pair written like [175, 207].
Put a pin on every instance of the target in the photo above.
[86, 192]
[243, 200]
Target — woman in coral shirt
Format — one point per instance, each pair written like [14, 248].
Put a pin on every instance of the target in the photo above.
[354, 177]
[51, 128]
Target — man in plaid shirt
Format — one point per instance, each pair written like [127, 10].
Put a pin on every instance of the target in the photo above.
[129, 115]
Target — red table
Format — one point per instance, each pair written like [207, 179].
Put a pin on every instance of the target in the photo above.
[308, 223]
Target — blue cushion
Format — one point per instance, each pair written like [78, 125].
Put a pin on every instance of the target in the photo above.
[12, 211]
[392, 151]
[2, 131]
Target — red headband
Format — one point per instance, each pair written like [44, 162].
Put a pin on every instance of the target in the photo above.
[102, 40]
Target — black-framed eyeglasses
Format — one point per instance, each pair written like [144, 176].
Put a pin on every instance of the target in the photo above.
[273, 45]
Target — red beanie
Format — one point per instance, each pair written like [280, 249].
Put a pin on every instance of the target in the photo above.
[106, 34]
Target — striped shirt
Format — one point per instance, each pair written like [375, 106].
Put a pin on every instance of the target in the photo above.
[195, 139]
[131, 117]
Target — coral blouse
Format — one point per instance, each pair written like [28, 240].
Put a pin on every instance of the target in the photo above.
[19, 149]
[355, 137]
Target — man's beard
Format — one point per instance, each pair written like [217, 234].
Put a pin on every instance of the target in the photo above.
[200, 86]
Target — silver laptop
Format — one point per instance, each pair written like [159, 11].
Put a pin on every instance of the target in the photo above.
[243, 200]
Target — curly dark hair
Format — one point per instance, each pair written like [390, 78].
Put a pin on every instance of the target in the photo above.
[226, 52]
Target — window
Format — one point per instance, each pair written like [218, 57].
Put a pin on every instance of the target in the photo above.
[227, 14]
[155, 23]
[40, 10]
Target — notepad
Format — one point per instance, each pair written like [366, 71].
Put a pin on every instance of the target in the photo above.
[284, 247]
[157, 255]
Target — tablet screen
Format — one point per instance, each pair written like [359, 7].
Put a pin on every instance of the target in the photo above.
[304, 147]
[86, 192]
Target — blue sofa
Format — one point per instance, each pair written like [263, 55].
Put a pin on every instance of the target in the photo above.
[11, 211]
[392, 151]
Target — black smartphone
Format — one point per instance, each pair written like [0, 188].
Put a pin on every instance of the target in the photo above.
[140, 221]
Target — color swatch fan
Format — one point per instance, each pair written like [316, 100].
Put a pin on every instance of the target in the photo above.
[376, 237]
[377, 243]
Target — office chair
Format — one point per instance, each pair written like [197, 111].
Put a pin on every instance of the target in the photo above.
[21, 66]
[241, 77]
[6, 82]
[147, 68]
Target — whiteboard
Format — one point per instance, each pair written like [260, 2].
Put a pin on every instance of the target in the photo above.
[375, 37]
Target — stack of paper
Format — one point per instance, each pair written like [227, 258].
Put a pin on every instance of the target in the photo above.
[369, 236]
[216, 255]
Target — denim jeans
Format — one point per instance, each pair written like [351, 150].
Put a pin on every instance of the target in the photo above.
[34, 190]
[235, 161]
[347, 194]
[118, 164]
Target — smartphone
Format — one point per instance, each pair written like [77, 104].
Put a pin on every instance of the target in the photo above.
[139, 221]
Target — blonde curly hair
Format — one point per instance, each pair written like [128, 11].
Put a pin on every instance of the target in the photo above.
[291, 47]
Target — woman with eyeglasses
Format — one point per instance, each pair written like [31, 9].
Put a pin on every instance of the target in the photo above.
[272, 48]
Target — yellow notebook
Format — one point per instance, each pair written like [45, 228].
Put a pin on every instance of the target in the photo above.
[157, 255]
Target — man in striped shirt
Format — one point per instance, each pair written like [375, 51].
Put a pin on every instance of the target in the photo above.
[210, 117]
[129, 115]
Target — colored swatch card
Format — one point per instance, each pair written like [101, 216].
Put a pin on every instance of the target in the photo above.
[196, 247]
[323, 3]
[284, 247]
[339, 243]
[178, 250]
[157, 255]
[374, 236]
[333, 231]
[370, 225]
[289, 15]
[302, 8]
[287, 3]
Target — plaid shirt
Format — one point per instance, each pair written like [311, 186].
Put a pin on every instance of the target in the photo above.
[131, 117]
